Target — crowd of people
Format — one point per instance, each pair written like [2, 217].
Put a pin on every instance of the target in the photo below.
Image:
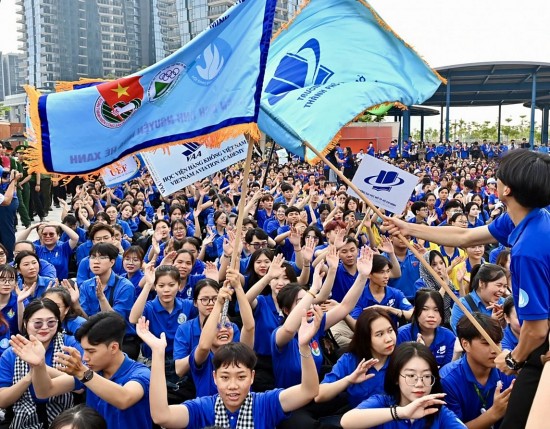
[128, 311]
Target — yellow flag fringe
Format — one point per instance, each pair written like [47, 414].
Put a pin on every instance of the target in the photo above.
[62, 86]
[34, 155]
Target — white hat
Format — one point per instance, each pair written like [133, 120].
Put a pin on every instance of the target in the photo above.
[491, 180]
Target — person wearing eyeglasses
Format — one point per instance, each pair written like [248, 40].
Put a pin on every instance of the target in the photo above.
[51, 249]
[413, 398]
[477, 392]
[107, 291]
[218, 331]
[41, 323]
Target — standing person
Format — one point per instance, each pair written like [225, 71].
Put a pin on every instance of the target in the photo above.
[36, 204]
[522, 187]
[8, 208]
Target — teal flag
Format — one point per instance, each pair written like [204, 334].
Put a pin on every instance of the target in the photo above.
[335, 60]
[206, 92]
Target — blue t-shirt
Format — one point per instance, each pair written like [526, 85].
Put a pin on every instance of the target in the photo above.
[443, 419]
[287, 363]
[457, 313]
[83, 250]
[465, 395]
[342, 282]
[267, 319]
[529, 263]
[123, 298]
[70, 326]
[267, 411]
[357, 392]
[59, 257]
[509, 341]
[138, 416]
[188, 335]
[442, 345]
[161, 321]
[410, 272]
[392, 298]
[42, 284]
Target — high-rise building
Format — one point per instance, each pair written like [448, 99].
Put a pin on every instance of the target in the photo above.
[10, 74]
[176, 22]
[69, 39]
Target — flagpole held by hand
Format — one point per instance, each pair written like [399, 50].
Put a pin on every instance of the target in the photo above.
[442, 283]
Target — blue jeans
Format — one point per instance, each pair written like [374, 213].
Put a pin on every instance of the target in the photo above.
[7, 226]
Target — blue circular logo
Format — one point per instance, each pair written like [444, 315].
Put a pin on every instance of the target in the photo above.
[209, 65]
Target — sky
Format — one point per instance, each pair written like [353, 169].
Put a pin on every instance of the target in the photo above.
[443, 32]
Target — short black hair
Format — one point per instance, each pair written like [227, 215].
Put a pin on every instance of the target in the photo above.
[79, 417]
[292, 209]
[98, 226]
[236, 354]
[454, 204]
[465, 329]
[70, 220]
[286, 187]
[417, 206]
[259, 233]
[526, 174]
[105, 249]
[105, 327]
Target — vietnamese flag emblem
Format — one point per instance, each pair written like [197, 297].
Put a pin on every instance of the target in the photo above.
[118, 100]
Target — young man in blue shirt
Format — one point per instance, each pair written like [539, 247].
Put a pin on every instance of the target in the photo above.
[117, 387]
[477, 392]
[234, 405]
[522, 185]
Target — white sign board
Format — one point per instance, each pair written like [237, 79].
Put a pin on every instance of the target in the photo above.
[388, 187]
[122, 171]
[189, 162]
[282, 154]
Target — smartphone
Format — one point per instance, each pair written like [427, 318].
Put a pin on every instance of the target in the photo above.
[359, 216]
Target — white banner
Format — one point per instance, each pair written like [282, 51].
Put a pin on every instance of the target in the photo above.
[282, 154]
[388, 187]
[122, 171]
[189, 162]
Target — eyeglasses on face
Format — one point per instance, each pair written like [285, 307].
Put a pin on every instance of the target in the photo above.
[259, 245]
[205, 300]
[39, 323]
[7, 280]
[134, 260]
[412, 379]
[99, 258]
[2, 253]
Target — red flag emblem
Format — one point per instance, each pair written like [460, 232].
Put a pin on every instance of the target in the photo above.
[119, 99]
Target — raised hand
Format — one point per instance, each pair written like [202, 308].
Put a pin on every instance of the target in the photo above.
[143, 332]
[308, 249]
[340, 239]
[72, 289]
[26, 292]
[234, 278]
[211, 271]
[360, 373]
[30, 350]
[70, 362]
[332, 257]
[99, 289]
[422, 407]
[307, 330]
[386, 245]
[276, 268]
[149, 274]
[364, 262]
[317, 281]
[395, 226]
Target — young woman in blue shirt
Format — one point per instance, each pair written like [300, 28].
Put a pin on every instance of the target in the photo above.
[426, 328]
[413, 398]
[28, 266]
[66, 298]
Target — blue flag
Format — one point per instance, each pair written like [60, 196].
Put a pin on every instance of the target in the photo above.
[335, 60]
[206, 92]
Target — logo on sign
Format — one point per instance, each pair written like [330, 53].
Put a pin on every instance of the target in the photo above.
[165, 80]
[385, 180]
[296, 71]
[190, 151]
[211, 62]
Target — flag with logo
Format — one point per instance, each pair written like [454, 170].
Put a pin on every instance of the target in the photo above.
[335, 60]
[206, 92]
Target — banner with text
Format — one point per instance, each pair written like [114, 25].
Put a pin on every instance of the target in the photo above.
[189, 162]
[122, 171]
[387, 186]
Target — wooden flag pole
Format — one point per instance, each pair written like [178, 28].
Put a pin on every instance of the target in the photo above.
[416, 253]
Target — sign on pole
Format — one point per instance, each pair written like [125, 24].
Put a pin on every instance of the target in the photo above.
[387, 186]
[122, 171]
[189, 162]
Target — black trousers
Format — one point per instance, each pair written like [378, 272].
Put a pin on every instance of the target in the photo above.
[524, 390]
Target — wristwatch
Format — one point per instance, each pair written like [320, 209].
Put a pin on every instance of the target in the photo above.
[88, 375]
[513, 364]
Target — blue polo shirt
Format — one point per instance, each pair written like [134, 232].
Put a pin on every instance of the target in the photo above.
[123, 298]
[47, 269]
[187, 291]
[41, 286]
[59, 257]
[138, 416]
[262, 217]
[357, 393]
[85, 273]
[267, 319]
[442, 346]
[188, 335]
[342, 282]
[266, 411]
[465, 400]
[161, 321]
[9, 311]
[202, 375]
[287, 363]
[70, 326]
[392, 298]
[530, 261]
[443, 419]
[126, 230]
[509, 341]
[83, 250]
[410, 272]
[457, 313]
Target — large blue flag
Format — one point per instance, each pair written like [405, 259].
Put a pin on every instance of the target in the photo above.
[206, 92]
[336, 59]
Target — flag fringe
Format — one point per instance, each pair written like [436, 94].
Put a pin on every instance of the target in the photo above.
[34, 155]
[285, 25]
[332, 144]
[62, 86]
[386, 27]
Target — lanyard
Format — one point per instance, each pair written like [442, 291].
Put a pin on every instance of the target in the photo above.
[481, 398]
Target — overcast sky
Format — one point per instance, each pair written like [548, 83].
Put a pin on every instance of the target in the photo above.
[444, 32]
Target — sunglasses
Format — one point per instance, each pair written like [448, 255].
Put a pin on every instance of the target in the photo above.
[48, 234]
[38, 324]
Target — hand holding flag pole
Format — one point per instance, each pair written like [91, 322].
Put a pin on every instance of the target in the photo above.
[442, 283]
